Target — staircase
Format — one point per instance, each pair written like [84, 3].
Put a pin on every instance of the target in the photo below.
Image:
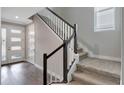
[93, 71]
[67, 33]
[90, 71]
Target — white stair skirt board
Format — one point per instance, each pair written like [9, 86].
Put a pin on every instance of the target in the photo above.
[52, 74]
[91, 54]
[73, 68]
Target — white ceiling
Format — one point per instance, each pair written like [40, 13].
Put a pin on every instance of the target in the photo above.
[9, 14]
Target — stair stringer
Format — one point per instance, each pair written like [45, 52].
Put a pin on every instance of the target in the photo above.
[73, 67]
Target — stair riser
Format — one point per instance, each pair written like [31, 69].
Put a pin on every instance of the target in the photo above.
[83, 82]
[104, 74]
[75, 83]
[86, 82]
[83, 57]
[80, 50]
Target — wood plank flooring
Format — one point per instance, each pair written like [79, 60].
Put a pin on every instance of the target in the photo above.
[21, 74]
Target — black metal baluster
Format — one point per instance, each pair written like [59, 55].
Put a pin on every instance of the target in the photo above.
[50, 20]
[62, 28]
[65, 71]
[75, 38]
[64, 31]
[58, 27]
[67, 31]
[54, 23]
[69, 35]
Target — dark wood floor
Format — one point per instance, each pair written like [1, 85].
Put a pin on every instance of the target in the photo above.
[21, 74]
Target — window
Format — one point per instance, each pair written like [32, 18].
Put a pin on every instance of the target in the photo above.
[15, 57]
[16, 31]
[104, 19]
[15, 39]
[16, 48]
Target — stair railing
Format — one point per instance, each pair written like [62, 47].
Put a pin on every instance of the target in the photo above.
[66, 32]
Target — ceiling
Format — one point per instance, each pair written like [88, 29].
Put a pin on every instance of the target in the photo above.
[19, 15]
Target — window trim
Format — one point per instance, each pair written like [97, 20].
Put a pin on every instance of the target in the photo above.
[109, 28]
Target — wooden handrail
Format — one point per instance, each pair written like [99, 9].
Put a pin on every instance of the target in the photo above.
[55, 50]
[66, 42]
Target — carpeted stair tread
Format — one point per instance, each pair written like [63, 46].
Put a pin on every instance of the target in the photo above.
[102, 66]
[92, 79]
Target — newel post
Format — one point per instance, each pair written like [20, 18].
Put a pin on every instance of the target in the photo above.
[65, 71]
[44, 69]
[75, 38]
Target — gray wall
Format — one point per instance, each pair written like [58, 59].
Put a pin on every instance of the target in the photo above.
[106, 43]
[0, 45]
[123, 46]
[46, 42]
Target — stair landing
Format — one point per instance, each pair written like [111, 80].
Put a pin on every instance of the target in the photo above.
[108, 66]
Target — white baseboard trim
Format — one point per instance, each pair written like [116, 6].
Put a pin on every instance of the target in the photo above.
[91, 54]
[106, 58]
[41, 68]
[49, 72]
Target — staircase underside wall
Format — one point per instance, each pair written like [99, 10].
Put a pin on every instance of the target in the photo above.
[46, 42]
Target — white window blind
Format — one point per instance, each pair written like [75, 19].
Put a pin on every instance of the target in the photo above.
[104, 18]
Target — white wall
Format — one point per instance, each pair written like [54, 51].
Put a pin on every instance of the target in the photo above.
[106, 43]
[46, 42]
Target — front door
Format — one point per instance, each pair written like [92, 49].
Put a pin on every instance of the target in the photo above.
[13, 44]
